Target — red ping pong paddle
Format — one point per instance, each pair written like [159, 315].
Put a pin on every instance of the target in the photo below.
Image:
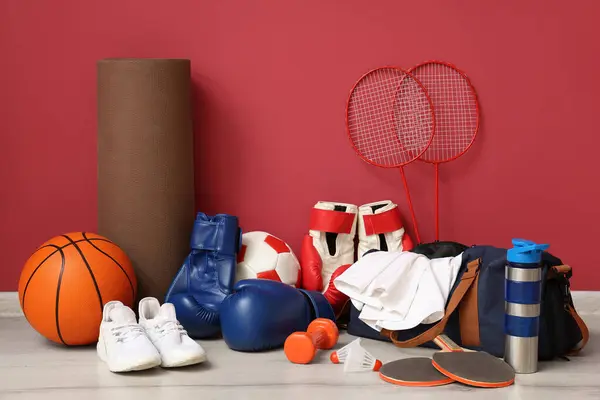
[416, 371]
[452, 364]
[473, 368]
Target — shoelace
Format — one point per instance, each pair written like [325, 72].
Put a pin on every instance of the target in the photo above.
[127, 332]
[168, 327]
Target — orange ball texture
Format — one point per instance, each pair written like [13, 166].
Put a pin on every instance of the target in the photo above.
[66, 282]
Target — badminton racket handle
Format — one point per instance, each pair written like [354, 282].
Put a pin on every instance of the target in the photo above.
[437, 202]
[410, 206]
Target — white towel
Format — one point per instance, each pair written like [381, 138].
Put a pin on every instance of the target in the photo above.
[399, 290]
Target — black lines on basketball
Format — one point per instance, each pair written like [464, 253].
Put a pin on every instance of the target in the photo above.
[73, 242]
[89, 270]
[115, 261]
[38, 267]
[60, 276]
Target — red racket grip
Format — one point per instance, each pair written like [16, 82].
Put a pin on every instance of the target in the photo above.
[437, 202]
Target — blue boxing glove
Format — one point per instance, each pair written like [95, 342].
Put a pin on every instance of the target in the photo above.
[207, 274]
[261, 314]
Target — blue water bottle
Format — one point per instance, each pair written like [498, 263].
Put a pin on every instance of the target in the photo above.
[522, 295]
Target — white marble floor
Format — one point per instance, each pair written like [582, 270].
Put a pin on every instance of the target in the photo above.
[33, 368]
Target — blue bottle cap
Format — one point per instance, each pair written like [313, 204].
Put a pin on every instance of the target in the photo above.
[525, 252]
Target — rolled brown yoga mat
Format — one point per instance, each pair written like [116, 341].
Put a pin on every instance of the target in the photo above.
[145, 165]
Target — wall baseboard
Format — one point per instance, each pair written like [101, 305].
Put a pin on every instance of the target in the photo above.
[586, 303]
[9, 305]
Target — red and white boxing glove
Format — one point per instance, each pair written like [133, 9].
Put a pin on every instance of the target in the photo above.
[328, 249]
[380, 227]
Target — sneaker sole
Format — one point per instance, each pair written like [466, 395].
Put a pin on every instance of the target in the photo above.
[138, 366]
[185, 362]
[135, 367]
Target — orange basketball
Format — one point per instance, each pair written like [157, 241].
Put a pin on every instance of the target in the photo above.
[66, 282]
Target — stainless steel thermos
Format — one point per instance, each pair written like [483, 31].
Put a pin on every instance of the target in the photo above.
[522, 294]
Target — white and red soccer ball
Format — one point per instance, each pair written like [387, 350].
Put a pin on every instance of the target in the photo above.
[265, 256]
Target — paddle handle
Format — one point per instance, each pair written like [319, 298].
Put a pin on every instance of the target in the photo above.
[446, 344]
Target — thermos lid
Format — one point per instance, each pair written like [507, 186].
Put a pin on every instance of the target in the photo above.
[526, 252]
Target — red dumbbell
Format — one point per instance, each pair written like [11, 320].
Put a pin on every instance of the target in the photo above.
[301, 347]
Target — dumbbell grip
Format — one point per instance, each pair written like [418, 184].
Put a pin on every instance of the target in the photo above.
[318, 337]
[324, 333]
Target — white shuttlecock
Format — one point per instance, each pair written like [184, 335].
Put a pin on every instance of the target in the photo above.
[359, 359]
[339, 356]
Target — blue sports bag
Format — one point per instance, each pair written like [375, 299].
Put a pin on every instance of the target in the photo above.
[474, 316]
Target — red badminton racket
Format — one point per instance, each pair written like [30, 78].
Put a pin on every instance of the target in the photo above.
[456, 114]
[390, 121]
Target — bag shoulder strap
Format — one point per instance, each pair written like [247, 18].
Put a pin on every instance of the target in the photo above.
[567, 272]
[585, 333]
[467, 279]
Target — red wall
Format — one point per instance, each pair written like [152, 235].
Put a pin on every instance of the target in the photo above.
[275, 75]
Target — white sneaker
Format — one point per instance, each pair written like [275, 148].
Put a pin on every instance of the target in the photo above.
[122, 343]
[176, 348]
